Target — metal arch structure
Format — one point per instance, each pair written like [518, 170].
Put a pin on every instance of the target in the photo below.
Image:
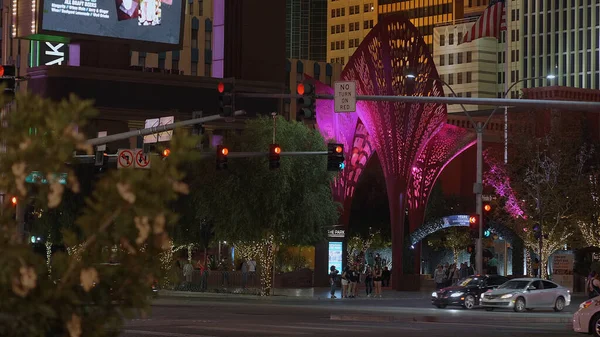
[347, 129]
[441, 149]
[399, 131]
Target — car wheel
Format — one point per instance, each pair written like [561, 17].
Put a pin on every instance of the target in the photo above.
[595, 325]
[440, 306]
[559, 305]
[489, 309]
[519, 305]
[469, 302]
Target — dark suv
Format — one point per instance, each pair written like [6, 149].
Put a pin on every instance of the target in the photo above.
[467, 292]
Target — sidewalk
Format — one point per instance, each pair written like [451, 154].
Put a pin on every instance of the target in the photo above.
[295, 293]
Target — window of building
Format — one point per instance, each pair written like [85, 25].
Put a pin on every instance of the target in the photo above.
[442, 59]
[333, 13]
[337, 28]
[460, 37]
[356, 43]
[344, 11]
[194, 70]
[351, 10]
[351, 43]
[207, 69]
[450, 39]
[459, 78]
[450, 79]
[343, 28]
[175, 64]
[469, 57]
[469, 77]
[351, 27]
[367, 8]
[337, 12]
[191, 8]
[370, 23]
[343, 44]
[194, 38]
[468, 94]
[450, 59]
[459, 58]
[357, 9]
[161, 62]
[142, 60]
[337, 45]
[342, 60]
[366, 24]
[332, 29]
[208, 40]
[201, 7]
[442, 40]
[332, 45]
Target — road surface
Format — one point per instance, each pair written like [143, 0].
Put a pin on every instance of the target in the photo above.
[204, 317]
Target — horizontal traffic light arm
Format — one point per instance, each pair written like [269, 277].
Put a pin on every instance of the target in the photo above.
[500, 102]
[89, 159]
[157, 129]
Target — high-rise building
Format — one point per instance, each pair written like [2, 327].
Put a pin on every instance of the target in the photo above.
[561, 38]
[348, 23]
[477, 68]
[306, 29]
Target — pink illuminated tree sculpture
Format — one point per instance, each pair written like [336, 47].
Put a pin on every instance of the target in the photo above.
[347, 129]
[398, 130]
[439, 152]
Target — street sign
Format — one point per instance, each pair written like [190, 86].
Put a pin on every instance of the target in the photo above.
[161, 136]
[142, 160]
[125, 158]
[102, 147]
[345, 96]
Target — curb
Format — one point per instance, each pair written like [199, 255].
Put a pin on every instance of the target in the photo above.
[192, 294]
[448, 319]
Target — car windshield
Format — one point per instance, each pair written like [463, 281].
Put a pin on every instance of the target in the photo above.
[470, 282]
[514, 285]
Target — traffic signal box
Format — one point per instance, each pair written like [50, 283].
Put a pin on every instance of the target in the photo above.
[274, 156]
[335, 157]
[8, 80]
[306, 103]
[226, 99]
[222, 153]
[474, 225]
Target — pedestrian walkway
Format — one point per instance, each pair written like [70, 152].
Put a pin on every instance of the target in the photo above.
[304, 293]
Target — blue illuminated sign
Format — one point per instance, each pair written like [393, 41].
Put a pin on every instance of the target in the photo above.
[335, 256]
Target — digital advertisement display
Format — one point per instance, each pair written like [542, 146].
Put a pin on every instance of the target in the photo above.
[157, 21]
[335, 256]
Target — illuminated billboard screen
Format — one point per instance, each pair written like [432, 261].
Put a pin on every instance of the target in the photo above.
[154, 21]
[335, 256]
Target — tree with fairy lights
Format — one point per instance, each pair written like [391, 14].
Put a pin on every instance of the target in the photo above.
[250, 203]
[118, 234]
[542, 187]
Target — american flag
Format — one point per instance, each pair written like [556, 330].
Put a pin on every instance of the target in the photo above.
[490, 23]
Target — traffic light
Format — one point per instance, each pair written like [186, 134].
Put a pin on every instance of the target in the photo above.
[307, 102]
[226, 98]
[474, 225]
[100, 158]
[222, 153]
[165, 153]
[274, 156]
[335, 157]
[487, 208]
[8, 80]
[197, 129]
[14, 201]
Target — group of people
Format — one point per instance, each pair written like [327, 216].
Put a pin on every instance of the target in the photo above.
[448, 275]
[373, 277]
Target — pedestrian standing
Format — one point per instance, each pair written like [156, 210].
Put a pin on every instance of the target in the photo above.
[438, 277]
[252, 270]
[377, 281]
[369, 281]
[333, 273]
[353, 278]
[345, 282]
[244, 273]
[454, 274]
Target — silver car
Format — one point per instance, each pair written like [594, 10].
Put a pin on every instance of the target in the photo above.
[526, 294]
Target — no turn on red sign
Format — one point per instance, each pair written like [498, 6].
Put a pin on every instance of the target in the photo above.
[345, 96]
[142, 160]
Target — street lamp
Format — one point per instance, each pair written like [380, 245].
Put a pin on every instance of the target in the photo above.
[479, 128]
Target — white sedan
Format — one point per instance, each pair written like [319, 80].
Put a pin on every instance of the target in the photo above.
[587, 318]
[526, 294]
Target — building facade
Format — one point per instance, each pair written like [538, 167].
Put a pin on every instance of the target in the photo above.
[296, 70]
[348, 23]
[561, 38]
[306, 29]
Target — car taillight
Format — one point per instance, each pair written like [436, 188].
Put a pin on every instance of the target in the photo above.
[586, 304]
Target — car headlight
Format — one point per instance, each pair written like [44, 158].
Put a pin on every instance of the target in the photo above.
[434, 294]
[507, 296]
[586, 304]
[459, 294]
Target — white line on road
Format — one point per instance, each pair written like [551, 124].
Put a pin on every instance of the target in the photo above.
[164, 334]
[251, 330]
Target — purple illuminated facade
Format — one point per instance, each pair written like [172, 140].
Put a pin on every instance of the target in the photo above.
[413, 141]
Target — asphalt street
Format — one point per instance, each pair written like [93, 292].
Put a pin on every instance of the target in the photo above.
[239, 316]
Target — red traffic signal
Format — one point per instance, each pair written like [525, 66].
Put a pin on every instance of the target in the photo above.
[300, 89]
[1, 71]
[487, 207]
[221, 87]
[274, 156]
[473, 220]
[339, 149]
[224, 151]
[166, 152]
[13, 200]
[276, 150]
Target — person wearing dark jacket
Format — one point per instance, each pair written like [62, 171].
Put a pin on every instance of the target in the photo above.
[385, 277]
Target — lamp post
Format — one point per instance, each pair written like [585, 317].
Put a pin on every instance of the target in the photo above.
[479, 128]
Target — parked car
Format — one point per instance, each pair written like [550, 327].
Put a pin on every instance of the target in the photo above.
[587, 318]
[527, 294]
[467, 292]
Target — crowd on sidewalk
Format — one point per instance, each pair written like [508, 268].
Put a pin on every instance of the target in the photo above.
[373, 278]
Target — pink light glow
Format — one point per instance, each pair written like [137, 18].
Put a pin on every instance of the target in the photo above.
[497, 177]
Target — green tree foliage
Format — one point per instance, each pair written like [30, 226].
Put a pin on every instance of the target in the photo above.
[251, 203]
[453, 238]
[125, 220]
